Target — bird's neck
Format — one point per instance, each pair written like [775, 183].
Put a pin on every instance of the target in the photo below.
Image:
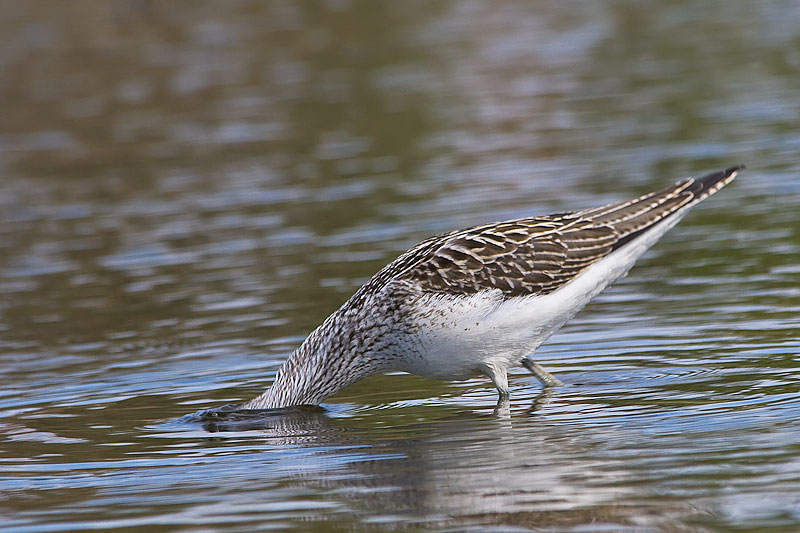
[330, 359]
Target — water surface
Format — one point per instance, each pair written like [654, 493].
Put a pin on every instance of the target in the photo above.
[185, 193]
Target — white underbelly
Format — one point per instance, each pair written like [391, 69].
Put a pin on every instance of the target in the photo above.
[456, 335]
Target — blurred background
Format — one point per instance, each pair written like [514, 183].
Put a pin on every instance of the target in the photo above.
[188, 188]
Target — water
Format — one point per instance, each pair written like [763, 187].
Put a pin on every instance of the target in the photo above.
[186, 193]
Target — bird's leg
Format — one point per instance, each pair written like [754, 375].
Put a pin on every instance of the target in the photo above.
[503, 408]
[547, 379]
[499, 378]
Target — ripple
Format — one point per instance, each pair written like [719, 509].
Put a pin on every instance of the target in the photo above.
[173, 225]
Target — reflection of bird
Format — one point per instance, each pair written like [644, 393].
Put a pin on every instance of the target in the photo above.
[480, 300]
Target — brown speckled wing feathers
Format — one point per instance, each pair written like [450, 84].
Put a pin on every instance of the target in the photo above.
[527, 256]
[538, 255]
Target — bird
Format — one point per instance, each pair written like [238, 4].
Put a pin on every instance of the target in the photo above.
[480, 300]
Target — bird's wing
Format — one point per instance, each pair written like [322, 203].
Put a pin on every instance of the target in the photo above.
[532, 256]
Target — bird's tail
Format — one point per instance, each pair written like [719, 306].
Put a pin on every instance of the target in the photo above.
[633, 217]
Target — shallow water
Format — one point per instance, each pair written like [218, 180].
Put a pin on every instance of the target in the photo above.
[186, 193]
